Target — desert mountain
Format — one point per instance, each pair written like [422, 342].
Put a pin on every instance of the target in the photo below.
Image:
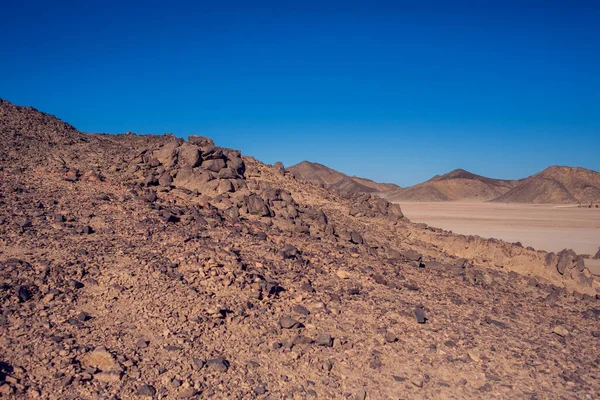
[556, 185]
[332, 179]
[140, 266]
[455, 185]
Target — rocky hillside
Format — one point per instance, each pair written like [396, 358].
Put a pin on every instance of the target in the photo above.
[334, 180]
[557, 185]
[453, 186]
[150, 267]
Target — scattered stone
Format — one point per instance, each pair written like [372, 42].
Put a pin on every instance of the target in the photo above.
[83, 316]
[146, 390]
[302, 340]
[198, 363]
[343, 274]
[420, 315]
[324, 339]
[417, 381]
[474, 355]
[187, 393]
[492, 321]
[300, 309]
[260, 390]
[73, 284]
[390, 337]
[289, 251]
[289, 323]
[218, 364]
[560, 330]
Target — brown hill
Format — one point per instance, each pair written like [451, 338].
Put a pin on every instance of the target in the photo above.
[556, 185]
[455, 185]
[151, 267]
[334, 180]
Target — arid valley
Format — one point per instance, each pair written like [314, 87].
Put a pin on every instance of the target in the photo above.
[548, 227]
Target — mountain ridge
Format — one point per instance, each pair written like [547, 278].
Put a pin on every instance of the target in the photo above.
[335, 180]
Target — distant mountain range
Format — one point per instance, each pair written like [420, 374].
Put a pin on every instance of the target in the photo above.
[332, 179]
[554, 185]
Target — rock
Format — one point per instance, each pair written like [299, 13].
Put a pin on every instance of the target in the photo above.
[474, 355]
[73, 284]
[597, 255]
[566, 258]
[108, 376]
[289, 251]
[189, 155]
[165, 180]
[324, 339]
[301, 309]
[343, 274]
[260, 389]
[101, 359]
[417, 381]
[289, 323]
[412, 255]
[492, 321]
[198, 363]
[257, 206]
[146, 390]
[560, 330]
[300, 340]
[420, 315]
[83, 316]
[187, 393]
[213, 165]
[379, 279]
[225, 186]
[218, 364]
[24, 293]
[356, 237]
[201, 141]
[390, 337]
[360, 395]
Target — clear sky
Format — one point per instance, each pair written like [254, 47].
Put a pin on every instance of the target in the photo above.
[393, 91]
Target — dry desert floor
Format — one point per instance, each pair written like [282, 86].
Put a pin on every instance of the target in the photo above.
[544, 227]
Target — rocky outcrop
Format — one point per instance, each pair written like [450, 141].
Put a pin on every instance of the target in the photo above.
[570, 266]
[196, 165]
[367, 205]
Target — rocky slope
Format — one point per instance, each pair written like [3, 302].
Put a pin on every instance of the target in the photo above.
[334, 180]
[557, 185]
[148, 267]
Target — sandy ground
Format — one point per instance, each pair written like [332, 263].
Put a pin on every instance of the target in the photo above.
[544, 227]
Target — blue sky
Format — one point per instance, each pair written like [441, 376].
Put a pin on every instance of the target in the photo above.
[393, 91]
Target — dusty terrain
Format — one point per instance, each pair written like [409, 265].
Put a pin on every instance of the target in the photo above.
[149, 267]
[544, 227]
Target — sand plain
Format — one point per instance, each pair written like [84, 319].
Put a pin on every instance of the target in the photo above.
[544, 227]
